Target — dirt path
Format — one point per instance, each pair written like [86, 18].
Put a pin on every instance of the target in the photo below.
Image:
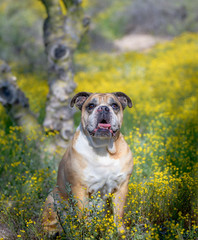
[138, 42]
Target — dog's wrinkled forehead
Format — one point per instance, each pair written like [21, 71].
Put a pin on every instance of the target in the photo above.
[102, 99]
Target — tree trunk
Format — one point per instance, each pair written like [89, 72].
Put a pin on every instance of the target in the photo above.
[15, 101]
[17, 107]
[62, 34]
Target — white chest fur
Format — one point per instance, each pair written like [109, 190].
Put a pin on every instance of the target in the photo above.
[102, 172]
[104, 175]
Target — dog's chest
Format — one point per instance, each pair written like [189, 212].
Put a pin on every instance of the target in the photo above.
[103, 174]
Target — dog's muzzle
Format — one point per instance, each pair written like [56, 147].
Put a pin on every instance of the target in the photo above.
[103, 127]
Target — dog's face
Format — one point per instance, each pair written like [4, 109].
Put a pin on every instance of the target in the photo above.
[102, 113]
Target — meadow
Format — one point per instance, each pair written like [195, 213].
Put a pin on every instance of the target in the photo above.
[161, 130]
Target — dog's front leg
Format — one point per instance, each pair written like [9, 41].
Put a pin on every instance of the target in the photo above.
[119, 201]
[50, 212]
[81, 195]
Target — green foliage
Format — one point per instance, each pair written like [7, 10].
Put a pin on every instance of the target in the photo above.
[161, 130]
[25, 181]
[96, 220]
[113, 19]
[21, 33]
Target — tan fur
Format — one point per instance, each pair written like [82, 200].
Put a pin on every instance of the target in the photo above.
[74, 164]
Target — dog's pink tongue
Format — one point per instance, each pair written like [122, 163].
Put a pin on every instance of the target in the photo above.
[104, 125]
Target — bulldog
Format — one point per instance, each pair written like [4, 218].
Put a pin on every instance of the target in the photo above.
[97, 159]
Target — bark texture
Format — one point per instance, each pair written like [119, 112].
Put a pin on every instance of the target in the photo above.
[15, 101]
[62, 34]
[17, 107]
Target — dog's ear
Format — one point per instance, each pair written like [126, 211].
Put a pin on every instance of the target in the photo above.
[79, 99]
[123, 99]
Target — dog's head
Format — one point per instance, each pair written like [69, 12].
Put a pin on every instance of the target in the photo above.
[102, 113]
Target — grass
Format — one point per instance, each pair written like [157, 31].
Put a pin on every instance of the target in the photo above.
[161, 130]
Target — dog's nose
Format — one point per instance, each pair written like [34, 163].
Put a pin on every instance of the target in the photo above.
[103, 109]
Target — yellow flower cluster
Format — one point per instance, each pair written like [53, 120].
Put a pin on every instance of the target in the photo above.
[161, 130]
[163, 127]
[24, 177]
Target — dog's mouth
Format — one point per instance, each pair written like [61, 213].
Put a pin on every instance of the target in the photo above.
[103, 129]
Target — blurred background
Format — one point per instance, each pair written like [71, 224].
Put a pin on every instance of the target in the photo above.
[144, 22]
[146, 48]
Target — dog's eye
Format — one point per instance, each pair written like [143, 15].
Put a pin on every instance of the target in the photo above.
[115, 106]
[91, 106]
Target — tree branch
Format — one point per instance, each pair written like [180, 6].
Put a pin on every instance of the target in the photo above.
[15, 101]
[17, 107]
